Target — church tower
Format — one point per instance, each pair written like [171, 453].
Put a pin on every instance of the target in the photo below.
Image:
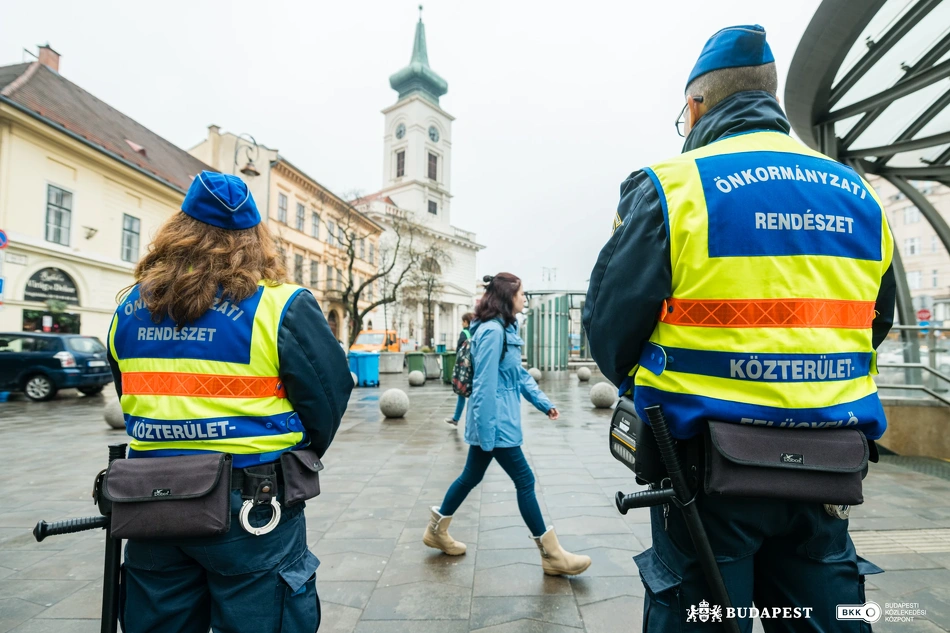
[417, 145]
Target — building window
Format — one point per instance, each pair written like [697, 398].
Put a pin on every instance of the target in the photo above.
[933, 243]
[298, 269]
[331, 234]
[314, 273]
[282, 208]
[433, 166]
[911, 215]
[935, 277]
[362, 248]
[329, 277]
[369, 291]
[339, 279]
[433, 207]
[301, 216]
[400, 164]
[342, 237]
[912, 246]
[315, 226]
[372, 254]
[913, 280]
[59, 210]
[131, 227]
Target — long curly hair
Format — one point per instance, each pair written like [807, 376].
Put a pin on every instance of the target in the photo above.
[189, 263]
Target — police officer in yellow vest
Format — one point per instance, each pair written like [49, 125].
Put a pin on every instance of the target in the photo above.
[212, 351]
[747, 280]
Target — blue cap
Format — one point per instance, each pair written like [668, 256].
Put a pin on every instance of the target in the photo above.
[221, 200]
[732, 47]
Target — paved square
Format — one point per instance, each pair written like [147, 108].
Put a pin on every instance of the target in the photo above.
[381, 478]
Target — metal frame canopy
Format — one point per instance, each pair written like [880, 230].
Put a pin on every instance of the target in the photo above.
[870, 86]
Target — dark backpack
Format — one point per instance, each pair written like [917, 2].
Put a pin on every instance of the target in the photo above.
[464, 370]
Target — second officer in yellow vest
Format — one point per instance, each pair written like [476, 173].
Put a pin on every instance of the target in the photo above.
[747, 281]
[213, 352]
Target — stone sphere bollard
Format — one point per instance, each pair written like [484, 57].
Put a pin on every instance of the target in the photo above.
[356, 379]
[583, 374]
[603, 395]
[536, 374]
[394, 403]
[417, 378]
[113, 414]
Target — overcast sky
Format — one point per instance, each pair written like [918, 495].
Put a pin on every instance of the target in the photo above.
[555, 102]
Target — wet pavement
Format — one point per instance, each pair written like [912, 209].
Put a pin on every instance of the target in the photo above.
[381, 478]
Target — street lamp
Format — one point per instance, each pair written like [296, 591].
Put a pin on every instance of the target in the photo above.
[251, 153]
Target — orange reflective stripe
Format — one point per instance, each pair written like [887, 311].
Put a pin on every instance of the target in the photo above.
[201, 385]
[818, 313]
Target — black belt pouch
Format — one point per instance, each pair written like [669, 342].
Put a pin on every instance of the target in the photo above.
[301, 471]
[187, 496]
[811, 465]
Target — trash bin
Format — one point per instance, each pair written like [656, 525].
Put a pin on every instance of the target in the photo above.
[448, 366]
[366, 367]
[433, 368]
[440, 349]
[416, 361]
[391, 362]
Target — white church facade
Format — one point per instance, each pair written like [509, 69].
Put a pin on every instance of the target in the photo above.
[416, 186]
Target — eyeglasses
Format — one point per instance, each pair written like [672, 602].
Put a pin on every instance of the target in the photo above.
[681, 119]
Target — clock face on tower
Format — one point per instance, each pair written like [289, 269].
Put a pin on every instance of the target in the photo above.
[400, 130]
[433, 134]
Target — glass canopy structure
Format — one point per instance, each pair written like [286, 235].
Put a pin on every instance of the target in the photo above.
[870, 86]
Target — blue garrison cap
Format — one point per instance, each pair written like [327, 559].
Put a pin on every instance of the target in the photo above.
[221, 200]
[732, 47]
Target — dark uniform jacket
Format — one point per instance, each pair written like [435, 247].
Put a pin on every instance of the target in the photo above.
[633, 274]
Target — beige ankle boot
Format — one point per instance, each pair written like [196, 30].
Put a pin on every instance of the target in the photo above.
[557, 561]
[437, 535]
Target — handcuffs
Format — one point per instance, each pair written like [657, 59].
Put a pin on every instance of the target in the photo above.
[264, 493]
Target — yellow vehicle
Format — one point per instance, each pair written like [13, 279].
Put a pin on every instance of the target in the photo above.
[376, 341]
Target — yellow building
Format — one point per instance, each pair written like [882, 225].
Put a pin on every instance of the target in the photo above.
[82, 187]
[311, 221]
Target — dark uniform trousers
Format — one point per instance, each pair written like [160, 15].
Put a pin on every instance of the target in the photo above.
[232, 583]
[770, 552]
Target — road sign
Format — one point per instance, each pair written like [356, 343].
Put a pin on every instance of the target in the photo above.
[4, 242]
[923, 314]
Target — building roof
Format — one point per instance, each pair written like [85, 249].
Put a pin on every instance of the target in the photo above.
[48, 96]
[418, 77]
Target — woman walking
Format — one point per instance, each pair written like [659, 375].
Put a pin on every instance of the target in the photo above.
[464, 335]
[493, 425]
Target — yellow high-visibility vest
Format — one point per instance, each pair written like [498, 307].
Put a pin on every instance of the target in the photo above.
[777, 257]
[213, 385]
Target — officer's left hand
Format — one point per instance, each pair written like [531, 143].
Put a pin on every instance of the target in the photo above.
[553, 414]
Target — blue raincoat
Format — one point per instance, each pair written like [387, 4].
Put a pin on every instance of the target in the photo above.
[494, 412]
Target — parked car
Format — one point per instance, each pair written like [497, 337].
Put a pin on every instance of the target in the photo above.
[376, 341]
[40, 364]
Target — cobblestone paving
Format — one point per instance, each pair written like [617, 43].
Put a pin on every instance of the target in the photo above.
[381, 478]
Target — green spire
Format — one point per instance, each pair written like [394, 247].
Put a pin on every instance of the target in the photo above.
[418, 77]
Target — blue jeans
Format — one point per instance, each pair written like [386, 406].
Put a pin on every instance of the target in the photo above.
[513, 462]
[459, 407]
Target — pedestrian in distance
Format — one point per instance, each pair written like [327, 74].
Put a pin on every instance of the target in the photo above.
[493, 425]
[216, 356]
[741, 297]
[464, 335]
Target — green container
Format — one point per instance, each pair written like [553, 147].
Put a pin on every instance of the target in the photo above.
[416, 361]
[448, 365]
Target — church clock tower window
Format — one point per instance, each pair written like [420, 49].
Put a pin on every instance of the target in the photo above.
[400, 164]
[433, 207]
[433, 166]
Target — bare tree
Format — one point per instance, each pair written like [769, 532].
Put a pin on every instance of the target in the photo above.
[425, 285]
[399, 254]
